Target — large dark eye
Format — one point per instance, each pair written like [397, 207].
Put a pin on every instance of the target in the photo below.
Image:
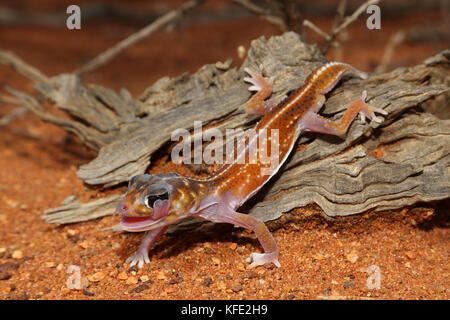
[150, 199]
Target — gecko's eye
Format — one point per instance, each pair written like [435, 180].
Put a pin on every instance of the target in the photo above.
[150, 199]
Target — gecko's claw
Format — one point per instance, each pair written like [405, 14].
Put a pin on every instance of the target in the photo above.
[368, 111]
[259, 259]
[138, 258]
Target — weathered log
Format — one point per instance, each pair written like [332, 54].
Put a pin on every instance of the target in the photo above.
[412, 166]
[342, 175]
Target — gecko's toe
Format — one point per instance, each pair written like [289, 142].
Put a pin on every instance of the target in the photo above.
[379, 110]
[377, 120]
[369, 111]
[250, 72]
[364, 96]
[259, 259]
[363, 117]
[138, 258]
[131, 261]
[254, 88]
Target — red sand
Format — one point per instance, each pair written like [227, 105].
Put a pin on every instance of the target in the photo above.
[320, 259]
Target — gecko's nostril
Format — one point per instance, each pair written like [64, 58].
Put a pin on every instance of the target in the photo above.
[121, 208]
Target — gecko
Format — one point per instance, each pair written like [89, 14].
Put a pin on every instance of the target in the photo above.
[155, 201]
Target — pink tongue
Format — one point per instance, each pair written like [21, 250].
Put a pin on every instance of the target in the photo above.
[136, 222]
[135, 219]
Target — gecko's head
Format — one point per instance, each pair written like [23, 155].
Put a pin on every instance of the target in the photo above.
[153, 201]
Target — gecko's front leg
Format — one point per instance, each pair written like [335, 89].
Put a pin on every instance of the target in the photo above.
[141, 255]
[258, 104]
[227, 215]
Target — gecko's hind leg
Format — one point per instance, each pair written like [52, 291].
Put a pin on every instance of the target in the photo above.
[316, 123]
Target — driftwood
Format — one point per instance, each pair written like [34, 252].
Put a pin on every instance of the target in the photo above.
[400, 162]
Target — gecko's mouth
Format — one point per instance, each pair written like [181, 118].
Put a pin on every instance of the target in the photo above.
[137, 223]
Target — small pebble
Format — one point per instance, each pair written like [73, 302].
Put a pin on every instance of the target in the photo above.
[131, 280]
[352, 256]
[169, 290]
[5, 275]
[236, 286]
[161, 276]
[6, 290]
[116, 245]
[84, 244]
[410, 255]
[348, 284]
[250, 274]
[96, 277]
[207, 282]
[87, 293]
[113, 273]
[318, 256]
[65, 291]
[17, 254]
[72, 232]
[178, 279]
[144, 278]
[240, 266]
[141, 288]
[221, 285]
[122, 276]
